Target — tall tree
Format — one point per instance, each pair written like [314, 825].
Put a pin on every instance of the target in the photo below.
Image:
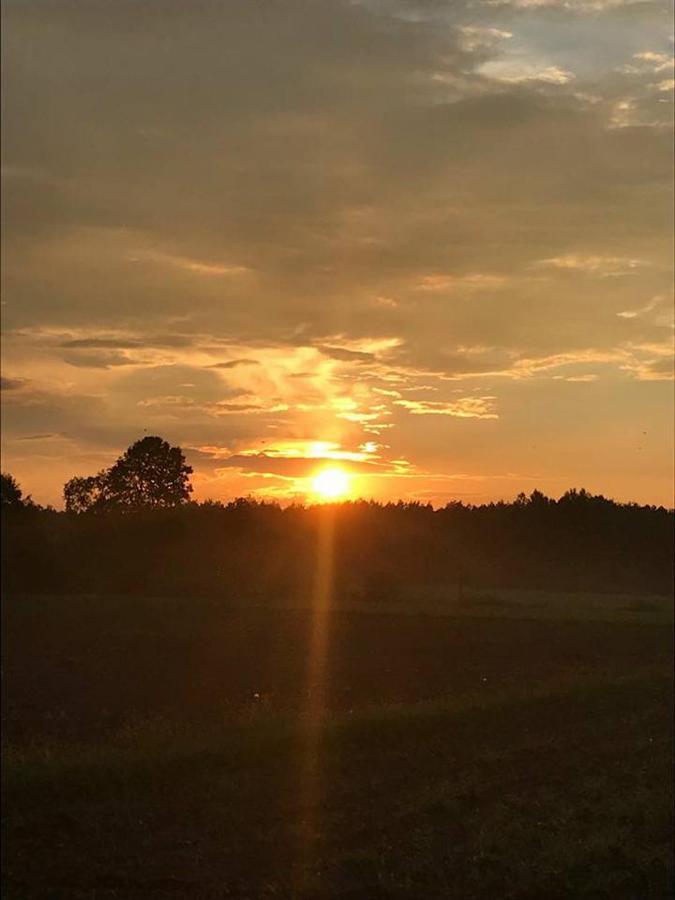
[150, 474]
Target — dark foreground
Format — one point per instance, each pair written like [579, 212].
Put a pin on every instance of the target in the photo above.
[157, 749]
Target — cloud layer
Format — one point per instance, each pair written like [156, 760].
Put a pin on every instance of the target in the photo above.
[441, 229]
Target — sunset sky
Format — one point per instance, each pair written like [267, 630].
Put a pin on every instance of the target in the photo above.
[429, 240]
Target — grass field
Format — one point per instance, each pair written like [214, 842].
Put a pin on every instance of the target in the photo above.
[503, 745]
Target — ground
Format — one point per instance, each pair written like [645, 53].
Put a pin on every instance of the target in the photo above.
[504, 745]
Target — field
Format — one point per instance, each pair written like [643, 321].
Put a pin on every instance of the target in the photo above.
[511, 745]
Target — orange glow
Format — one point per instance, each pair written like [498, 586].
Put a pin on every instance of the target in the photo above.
[331, 483]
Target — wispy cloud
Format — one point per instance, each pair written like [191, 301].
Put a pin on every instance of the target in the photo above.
[641, 311]
[652, 61]
[464, 408]
[601, 266]
[514, 71]
[199, 267]
[573, 6]
[447, 282]
[480, 37]
[234, 363]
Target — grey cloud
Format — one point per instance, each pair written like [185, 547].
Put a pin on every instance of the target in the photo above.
[129, 343]
[11, 384]
[345, 355]
[46, 436]
[101, 360]
[112, 422]
[101, 343]
[39, 411]
[285, 168]
[234, 363]
[171, 380]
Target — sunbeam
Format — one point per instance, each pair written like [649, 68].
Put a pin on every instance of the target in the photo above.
[310, 774]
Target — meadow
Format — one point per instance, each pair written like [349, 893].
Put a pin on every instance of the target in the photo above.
[512, 744]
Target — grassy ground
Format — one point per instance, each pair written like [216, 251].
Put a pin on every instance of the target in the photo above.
[459, 756]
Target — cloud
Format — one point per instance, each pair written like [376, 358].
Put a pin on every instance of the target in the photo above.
[479, 37]
[11, 384]
[649, 361]
[47, 436]
[346, 355]
[251, 405]
[659, 369]
[464, 408]
[584, 7]
[651, 60]
[122, 342]
[640, 311]
[602, 266]
[100, 360]
[580, 379]
[475, 281]
[234, 363]
[197, 266]
[102, 343]
[521, 72]
[288, 210]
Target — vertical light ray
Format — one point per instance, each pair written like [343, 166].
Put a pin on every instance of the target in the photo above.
[314, 713]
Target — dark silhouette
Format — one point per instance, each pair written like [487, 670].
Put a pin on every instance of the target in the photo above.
[88, 494]
[129, 530]
[150, 474]
[11, 495]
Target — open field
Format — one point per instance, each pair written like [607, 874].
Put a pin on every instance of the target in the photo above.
[498, 745]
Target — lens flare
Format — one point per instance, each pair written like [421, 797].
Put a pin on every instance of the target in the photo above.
[311, 788]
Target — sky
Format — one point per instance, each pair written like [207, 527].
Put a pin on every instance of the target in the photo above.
[429, 241]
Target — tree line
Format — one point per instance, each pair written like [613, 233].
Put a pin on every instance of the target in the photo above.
[133, 529]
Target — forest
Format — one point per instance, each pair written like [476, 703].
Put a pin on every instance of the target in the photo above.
[249, 547]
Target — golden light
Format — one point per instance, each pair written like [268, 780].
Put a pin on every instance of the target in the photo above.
[331, 483]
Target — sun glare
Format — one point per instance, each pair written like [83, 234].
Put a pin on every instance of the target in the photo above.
[331, 484]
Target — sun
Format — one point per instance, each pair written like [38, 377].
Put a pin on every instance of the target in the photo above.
[331, 483]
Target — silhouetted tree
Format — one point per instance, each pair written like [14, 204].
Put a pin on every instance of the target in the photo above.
[150, 474]
[89, 494]
[11, 495]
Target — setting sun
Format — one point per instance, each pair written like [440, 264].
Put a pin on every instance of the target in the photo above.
[331, 484]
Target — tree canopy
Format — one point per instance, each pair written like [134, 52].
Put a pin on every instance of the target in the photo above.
[579, 542]
[11, 495]
[150, 474]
